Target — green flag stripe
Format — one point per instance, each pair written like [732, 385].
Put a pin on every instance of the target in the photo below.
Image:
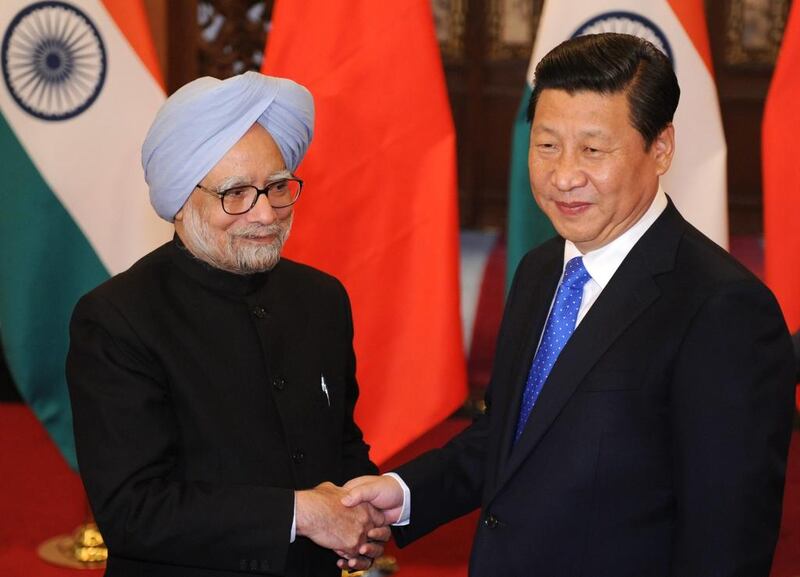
[46, 264]
[528, 227]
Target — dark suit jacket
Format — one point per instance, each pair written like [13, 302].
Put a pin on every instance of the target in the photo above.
[658, 444]
[198, 411]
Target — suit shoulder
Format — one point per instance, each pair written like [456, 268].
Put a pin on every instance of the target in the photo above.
[145, 270]
[712, 272]
[307, 277]
[711, 263]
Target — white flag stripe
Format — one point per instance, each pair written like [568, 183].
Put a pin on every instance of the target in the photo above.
[697, 179]
[91, 162]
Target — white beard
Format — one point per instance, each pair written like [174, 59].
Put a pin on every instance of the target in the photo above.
[239, 258]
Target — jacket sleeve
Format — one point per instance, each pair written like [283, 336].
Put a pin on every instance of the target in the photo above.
[447, 483]
[127, 441]
[731, 395]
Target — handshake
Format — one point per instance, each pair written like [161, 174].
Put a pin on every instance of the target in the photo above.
[352, 520]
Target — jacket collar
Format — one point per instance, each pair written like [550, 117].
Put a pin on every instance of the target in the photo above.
[213, 278]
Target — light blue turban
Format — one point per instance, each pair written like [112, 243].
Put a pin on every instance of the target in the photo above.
[198, 124]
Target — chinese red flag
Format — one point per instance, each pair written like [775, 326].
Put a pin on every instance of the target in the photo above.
[379, 210]
[781, 169]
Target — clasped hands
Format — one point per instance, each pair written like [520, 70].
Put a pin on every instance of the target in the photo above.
[352, 520]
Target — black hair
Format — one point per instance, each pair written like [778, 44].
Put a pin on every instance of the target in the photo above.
[608, 64]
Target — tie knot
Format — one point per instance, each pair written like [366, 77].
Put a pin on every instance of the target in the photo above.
[575, 274]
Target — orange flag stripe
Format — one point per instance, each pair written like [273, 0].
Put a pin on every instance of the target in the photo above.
[692, 16]
[131, 18]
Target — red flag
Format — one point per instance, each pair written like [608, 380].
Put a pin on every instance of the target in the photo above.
[379, 210]
[781, 170]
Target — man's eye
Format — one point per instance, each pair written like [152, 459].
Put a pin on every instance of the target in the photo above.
[236, 192]
[280, 186]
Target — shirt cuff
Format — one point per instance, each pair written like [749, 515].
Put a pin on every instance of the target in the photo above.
[293, 534]
[405, 514]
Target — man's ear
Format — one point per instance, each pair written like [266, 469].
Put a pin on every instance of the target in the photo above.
[663, 148]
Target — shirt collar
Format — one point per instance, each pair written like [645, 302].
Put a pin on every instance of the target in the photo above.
[603, 262]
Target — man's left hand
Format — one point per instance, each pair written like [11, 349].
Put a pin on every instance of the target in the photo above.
[368, 552]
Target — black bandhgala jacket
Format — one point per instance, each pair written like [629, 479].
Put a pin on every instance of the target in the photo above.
[199, 408]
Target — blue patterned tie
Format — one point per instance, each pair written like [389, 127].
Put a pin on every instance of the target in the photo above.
[559, 327]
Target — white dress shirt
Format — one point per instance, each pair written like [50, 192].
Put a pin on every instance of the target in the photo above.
[603, 262]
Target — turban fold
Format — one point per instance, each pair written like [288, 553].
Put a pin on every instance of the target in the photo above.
[200, 123]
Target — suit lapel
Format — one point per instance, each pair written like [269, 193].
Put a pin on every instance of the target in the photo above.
[630, 292]
[534, 308]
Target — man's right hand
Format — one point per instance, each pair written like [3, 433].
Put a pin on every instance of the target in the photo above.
[384, 493]
[321, 517]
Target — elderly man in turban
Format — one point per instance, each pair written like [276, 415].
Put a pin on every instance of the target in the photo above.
[213, 383]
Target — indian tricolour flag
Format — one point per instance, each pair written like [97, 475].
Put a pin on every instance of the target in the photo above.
[78, 94]
[697, 180]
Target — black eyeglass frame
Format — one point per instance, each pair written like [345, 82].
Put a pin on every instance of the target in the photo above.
[220, 194]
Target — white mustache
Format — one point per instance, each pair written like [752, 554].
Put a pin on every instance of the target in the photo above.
[257, 230]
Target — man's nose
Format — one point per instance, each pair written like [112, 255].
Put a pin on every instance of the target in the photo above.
[567, 173]
[262, 211]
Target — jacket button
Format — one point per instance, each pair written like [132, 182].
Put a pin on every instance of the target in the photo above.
[260, 312]
[279, 383]
[298, 456]
[490, 522]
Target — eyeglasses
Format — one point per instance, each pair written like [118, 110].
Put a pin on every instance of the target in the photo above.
[241, 199]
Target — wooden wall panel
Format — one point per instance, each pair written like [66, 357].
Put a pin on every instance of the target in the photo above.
[743, 52]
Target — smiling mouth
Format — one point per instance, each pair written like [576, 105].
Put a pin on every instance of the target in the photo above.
[259, 239]
[572, 208]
